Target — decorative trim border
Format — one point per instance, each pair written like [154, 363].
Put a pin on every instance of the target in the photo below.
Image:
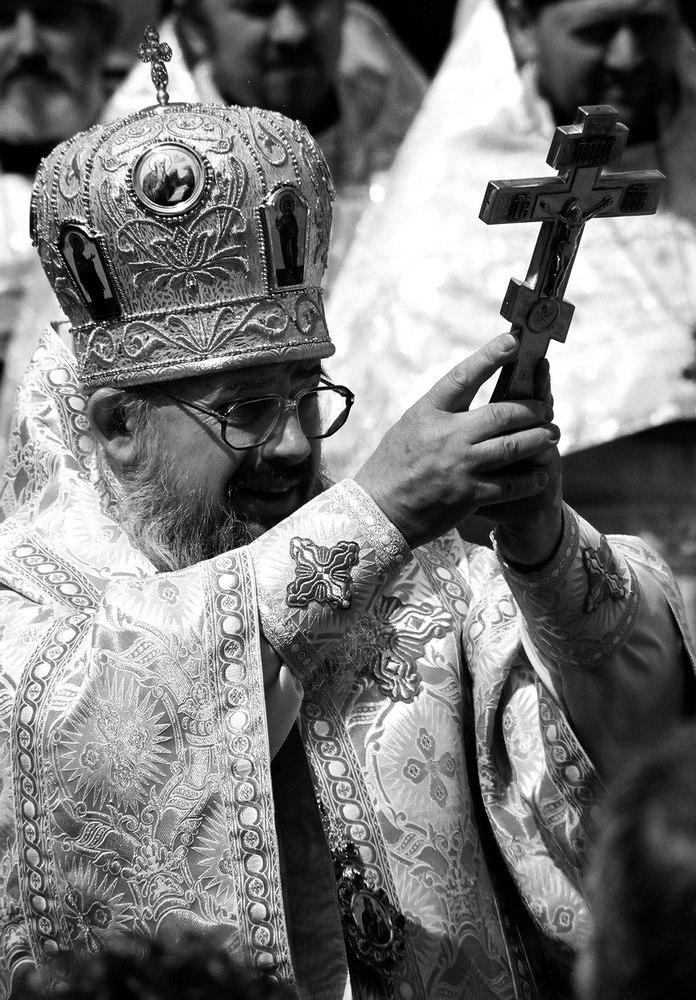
[347, 803]
[235, 676]
[552, 601]
[47, 928]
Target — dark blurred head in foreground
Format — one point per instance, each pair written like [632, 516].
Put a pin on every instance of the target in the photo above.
[643, 881]
[193, 970]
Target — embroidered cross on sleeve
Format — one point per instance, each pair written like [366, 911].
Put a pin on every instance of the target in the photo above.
[605, 581]
[322, 574]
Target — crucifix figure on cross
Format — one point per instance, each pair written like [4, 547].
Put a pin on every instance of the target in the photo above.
[583, 190]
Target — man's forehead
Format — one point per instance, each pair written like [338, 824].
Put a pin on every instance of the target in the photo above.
[592, 9]
[214, 9]
[244, 380]
[49, 7]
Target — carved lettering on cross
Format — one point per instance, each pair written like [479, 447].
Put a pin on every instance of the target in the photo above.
[585, 154]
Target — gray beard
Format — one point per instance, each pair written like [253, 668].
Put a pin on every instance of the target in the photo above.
[174, 531]
[173, 528]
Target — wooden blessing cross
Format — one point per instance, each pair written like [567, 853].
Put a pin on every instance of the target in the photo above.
[582, 191]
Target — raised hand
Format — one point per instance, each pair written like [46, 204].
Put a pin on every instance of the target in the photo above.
[530, 529]
[442, 461]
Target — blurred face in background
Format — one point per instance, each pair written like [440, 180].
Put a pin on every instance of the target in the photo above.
[51, 58]
[618, 52]
[276, 54]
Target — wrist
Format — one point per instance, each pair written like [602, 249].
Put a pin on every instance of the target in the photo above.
[528, 545]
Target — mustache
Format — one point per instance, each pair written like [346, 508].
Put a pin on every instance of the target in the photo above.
[35, 67]
[642, 75]
[289, 57]
[265, 477]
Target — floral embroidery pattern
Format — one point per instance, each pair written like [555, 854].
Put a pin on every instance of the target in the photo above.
[91, 908]
[202, 253]
[404, 631]
[563, 919]
[159, 870]
[322, 574]
[215, 859]
[116, 744]
[418, 770]
[198, 711]
[86, 919]
[604, 578]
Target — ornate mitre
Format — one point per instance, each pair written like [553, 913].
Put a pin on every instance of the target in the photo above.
[186, 238]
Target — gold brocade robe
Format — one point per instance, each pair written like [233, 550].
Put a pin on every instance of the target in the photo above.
[136, 790]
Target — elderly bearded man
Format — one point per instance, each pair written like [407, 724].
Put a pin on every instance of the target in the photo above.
[308, 721]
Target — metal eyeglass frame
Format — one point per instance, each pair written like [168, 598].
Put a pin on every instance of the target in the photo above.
[287, 404]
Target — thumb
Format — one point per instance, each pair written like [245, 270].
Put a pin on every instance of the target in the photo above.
[455, 391]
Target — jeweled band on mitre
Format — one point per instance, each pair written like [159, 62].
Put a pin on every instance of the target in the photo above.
[186, 238]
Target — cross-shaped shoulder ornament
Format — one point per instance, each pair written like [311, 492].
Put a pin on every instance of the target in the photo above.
[582, 191]
[151, 50]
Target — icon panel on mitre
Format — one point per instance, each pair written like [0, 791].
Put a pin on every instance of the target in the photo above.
[85, 256]
[169, 179]
[285, 215]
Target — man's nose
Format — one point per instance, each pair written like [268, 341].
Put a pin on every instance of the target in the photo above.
[289, 25]
[27, 33]
[288, 442]
[625, 51]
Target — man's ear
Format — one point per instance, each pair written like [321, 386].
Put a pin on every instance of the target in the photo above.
[192, 33]
[521, 26]
[111, 425]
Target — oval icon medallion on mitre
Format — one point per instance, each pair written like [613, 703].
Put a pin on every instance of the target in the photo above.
[169, 179]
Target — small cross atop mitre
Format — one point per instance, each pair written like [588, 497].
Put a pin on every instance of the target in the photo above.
[586, 155]
[151, 50]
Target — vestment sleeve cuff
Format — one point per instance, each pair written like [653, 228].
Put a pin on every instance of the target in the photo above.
[580, 608]
[320, 570]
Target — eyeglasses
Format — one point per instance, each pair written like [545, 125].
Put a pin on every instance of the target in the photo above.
[249, 423]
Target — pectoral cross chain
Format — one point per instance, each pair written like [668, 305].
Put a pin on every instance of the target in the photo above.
[582, 191]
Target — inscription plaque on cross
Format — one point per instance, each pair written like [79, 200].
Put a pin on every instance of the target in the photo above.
[583, 190]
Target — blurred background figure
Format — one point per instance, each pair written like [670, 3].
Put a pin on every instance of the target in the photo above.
[51, 61]
[134, 17]
[189, 970]
[335, 65]
[52, 57]
[425, 36]
[643, 882]
[624, 382]
[688, 12]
